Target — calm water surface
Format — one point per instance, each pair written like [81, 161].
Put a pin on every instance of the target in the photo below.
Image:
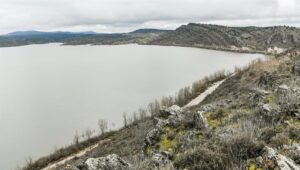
[48, 92]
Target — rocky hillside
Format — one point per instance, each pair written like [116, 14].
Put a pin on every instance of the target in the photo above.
[250, 122]
[232, 38]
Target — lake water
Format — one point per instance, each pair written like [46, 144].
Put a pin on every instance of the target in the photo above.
[48, 92]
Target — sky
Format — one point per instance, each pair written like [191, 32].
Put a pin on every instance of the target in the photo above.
[127, 15]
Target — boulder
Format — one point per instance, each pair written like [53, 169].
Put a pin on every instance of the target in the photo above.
[173, 110]
[281, 161]
[296, 68]
[158, 161]
[153, 136]
[112, 161]
[200, 120]
[268, 110]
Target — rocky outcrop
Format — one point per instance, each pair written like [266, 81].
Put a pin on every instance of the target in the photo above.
[170, 111]
[109, 162]
[276, 39]
[280, 161]
[166, 116]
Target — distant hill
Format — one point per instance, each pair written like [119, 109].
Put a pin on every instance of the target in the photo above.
[149, 30]
[216, 36]
[33, 32]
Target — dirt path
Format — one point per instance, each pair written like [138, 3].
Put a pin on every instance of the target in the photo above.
[78, 154]
[207, 92]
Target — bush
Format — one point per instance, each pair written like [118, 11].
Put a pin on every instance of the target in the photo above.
[279, 140]
[242, 147]
[294, 134]
[201, 158]
[267, 134]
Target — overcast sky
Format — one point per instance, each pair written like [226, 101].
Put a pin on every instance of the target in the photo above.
[127, 15]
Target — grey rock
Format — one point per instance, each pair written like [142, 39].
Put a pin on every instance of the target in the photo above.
[200, 120]
[109, 162]
[173, 110]
[283, 87]
[153, 136]
[282, 161]
[268, 110]
[259, 159]
[159, 160]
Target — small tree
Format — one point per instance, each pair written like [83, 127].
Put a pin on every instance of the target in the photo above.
[102, 125]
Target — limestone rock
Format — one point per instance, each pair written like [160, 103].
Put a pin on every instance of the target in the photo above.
[283, 162]
[200, 120]
[173, 110]
[112, 161]
[153, 136]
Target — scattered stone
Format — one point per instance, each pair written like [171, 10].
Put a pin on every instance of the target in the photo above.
[283, 87]
[159, 160]
[153, 136]
[267, 108]
[112, 161]
[259, 159]
[200, 120]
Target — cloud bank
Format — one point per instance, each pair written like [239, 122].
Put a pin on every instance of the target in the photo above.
[127, 15]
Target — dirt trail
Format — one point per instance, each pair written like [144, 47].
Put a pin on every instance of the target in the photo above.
[78, 154]
[207, 92]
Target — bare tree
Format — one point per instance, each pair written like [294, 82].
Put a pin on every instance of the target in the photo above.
[142, 113]
[135, 117]
[102, 125]
[125, 121]
[88, 133]
[76, 138]
[153, 107]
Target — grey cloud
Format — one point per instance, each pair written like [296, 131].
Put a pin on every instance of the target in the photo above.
[125, 15]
